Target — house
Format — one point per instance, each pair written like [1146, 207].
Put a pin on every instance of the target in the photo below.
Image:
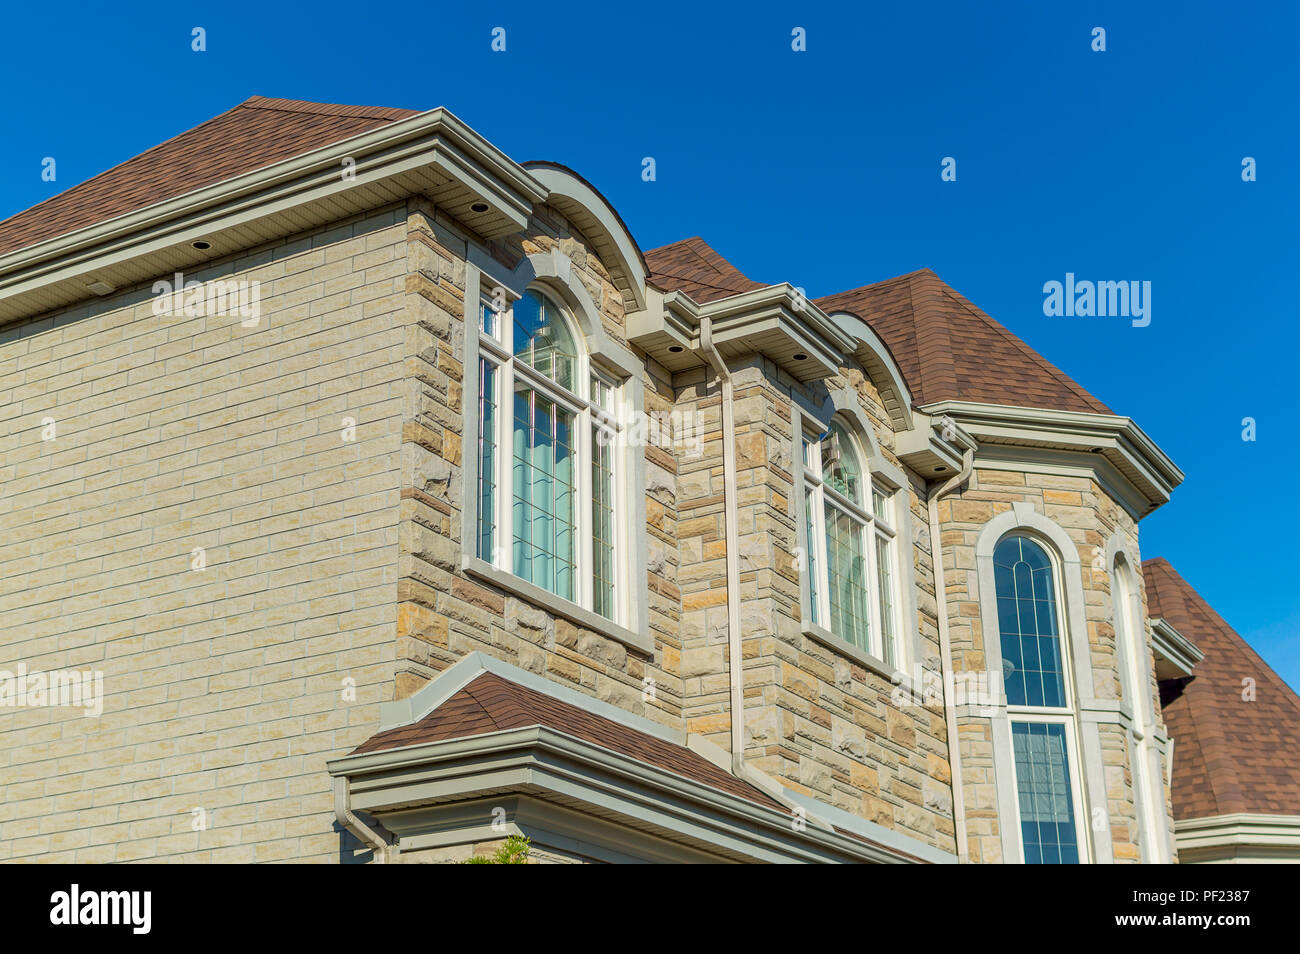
[399, 502]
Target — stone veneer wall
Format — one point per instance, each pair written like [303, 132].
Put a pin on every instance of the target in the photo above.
[224, 689]
[444, 614]
[814, 717]
[1089, 516]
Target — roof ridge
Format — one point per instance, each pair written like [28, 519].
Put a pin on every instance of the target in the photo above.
[327, 109]
[939, 351]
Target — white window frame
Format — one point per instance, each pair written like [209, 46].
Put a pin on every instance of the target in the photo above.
[1081, 822]
[1066, 715]
[498, 351]
[1135, 689]
[868, 527]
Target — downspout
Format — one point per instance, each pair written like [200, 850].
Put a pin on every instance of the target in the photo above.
[735, 664]
[945, 651]
[383, 849]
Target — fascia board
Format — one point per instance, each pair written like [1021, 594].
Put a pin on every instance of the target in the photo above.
[435, 137]
[1238, 829]
[539, 759]
[1174, 646]
[1138, 461]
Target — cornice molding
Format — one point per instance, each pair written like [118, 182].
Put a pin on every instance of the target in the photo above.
[1117, 453]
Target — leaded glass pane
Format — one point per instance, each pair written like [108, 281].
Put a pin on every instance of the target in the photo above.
[1032, 664]
[544, 493]
[602, 522]
[487, 456]
[810, 553]
[844, 473]
[885, 579]
[847, 578]
[543, 340]
[1047, 824]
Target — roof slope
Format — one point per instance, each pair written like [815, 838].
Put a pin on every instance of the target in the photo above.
[256, 133]
[950, 350]
[490, 703]
[1229, 755]
[947, 348]
[691, 266]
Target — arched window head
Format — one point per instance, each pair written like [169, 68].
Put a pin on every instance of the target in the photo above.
[1032, 660]
[842, 468]
[548, 482]
[852, 544]
[542, 339]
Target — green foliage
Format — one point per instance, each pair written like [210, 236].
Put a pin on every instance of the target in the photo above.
[513, 852]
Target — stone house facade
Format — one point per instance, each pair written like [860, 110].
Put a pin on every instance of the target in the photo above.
[399, 502]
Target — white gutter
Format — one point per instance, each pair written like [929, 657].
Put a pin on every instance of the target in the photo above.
[735, 660]
[383, 849]
[945, 651]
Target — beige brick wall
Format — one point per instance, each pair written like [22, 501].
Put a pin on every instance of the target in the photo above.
[223, 688]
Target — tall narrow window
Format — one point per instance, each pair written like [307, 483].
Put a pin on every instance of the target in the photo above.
[1135, 680]
[1047, 824]
[1039, 701]
[548, 512]
[850, 545]
[1031, 648]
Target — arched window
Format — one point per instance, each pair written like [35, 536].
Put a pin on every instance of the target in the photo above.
[1032, 662]
[1039, 700]
[851, 544]
[546, 474]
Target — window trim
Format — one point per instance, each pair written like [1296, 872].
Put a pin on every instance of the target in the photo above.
[1081, 819]
[1066, 714]
[1143, 736]
[1086, 713]
[908, 640]
[552, 272]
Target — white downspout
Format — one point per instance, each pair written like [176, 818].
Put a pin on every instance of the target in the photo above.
[945, 651]
[382, 848]
[735, 664]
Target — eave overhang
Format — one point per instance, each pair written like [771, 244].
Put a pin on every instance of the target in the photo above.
[398, 785]
[776, 321]
[1117, 453]
[1175, 654]
[936, 447]
[1268, 834]
[434, 154]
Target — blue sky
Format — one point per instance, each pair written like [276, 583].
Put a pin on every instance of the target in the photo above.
[822, 168]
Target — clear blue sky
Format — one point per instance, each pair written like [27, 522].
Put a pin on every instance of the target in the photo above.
[822, 168]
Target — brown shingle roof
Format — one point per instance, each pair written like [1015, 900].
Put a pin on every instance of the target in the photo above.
[490, 703]
[950, 350]
[946, 348]
[1230, 755]
[691, 266]
[256, 133]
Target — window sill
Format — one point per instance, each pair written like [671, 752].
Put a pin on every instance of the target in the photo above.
[860, 656]
[556, 605]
